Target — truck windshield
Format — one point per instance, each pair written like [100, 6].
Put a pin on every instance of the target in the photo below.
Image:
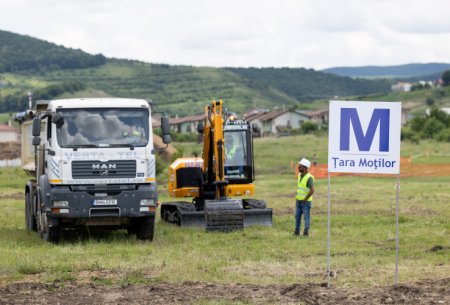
[97, 127]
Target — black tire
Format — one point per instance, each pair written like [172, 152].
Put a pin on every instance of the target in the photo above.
[48, 233]
[254, 204]
[131, 228]
[145, 228]
[30, 219]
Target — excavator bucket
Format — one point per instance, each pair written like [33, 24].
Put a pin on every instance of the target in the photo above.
[258, 217]
[182, 213]
[192, 219]
[224, 215]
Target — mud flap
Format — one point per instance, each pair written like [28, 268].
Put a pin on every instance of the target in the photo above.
[224, 215]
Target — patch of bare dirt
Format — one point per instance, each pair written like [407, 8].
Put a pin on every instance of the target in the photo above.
[9, 150]
[284, 211]
[12, 196]
[424, 292]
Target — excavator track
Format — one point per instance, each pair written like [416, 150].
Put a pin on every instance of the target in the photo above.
[224, 215]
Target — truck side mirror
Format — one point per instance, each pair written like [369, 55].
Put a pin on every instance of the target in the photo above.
[36, 141]
[36, 131]
[165, 126]
[166, 139]
[58, 120]
[200, 128]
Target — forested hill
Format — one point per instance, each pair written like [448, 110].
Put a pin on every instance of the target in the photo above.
[51, 71]
[24, 53]
[308, 85]
[416, 71]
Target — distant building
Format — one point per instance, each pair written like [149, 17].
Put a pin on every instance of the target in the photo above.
[401, 87]
[274, 122]
[426, 83]
[406, 110]
[156, 122]
[186, 124]
[8, 133]
[319, 117]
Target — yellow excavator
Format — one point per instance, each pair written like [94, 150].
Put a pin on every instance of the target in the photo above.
[225, 170]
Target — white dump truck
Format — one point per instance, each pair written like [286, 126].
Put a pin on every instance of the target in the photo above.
[93, 163]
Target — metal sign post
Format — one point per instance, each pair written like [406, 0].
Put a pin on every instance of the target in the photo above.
[329, 236]
[364, 137]
[397, 200]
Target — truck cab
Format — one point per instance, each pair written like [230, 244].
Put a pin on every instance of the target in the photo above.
[94, 166]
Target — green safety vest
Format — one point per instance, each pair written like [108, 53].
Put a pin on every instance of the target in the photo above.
[302, 189]
[230, 153]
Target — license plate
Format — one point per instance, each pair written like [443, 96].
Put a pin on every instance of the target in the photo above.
[104, 202]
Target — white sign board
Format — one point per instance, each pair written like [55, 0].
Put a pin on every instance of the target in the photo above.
[364, 137]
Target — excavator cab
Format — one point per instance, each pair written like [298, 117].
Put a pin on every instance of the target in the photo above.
[238, 165]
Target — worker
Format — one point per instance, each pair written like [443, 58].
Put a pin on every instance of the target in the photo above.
[232, 152]
[134, 132]
[234, 157]
[303, 202]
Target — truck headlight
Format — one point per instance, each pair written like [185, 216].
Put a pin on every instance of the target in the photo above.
[60, 203]
[147, 202]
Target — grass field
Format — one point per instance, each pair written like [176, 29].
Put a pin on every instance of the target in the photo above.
[362, 237]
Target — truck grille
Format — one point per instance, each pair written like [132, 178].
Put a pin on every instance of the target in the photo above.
[102, 170]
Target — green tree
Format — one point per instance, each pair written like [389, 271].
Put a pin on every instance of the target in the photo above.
[446, 78]
[440, 115]
[443, 135]
[432, 127]
[308, 127]
[417, 123]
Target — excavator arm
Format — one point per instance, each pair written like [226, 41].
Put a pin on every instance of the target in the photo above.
[213, 149]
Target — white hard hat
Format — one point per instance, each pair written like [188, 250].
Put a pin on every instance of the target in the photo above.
[305, 162]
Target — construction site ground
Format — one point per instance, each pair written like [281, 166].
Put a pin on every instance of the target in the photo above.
[424, 292]
[82, 290]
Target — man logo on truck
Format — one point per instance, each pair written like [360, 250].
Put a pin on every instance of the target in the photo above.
[104, 166]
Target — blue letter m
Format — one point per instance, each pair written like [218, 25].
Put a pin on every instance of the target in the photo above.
[364, 141]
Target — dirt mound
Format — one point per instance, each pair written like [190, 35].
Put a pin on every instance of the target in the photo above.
[425, 292]
[9, 150]
[167, 153]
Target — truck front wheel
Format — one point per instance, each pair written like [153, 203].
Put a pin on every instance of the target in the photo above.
[49, 233]
[45, 224]
[145, 228]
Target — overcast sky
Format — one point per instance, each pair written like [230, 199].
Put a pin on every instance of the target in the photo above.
[246, 33]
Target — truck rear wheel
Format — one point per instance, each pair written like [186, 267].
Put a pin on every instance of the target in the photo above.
[145, 228]
[30, 219]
